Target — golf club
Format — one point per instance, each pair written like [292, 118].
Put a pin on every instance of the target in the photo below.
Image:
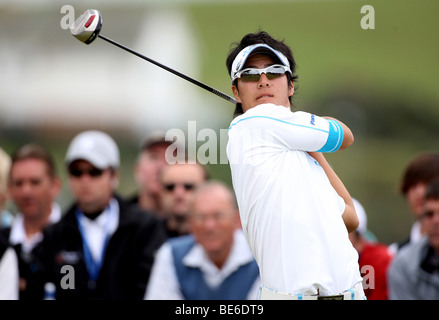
[88, 27]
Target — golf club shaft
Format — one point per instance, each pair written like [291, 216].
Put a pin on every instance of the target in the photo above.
[200, 84]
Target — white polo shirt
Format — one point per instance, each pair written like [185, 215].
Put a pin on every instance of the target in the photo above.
[290, 213]
[18, 232]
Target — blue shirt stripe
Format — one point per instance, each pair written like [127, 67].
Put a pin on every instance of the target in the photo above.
[283, 121]
[335, 137]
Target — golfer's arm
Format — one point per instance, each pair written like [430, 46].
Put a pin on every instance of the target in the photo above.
[349, 215]
[348, 137]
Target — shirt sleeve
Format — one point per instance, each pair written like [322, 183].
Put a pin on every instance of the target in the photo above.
[9, 275]
[278, 126]
[163, 283]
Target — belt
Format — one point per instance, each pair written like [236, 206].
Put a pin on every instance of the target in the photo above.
[355, 293]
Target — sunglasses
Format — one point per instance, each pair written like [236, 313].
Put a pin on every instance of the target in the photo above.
[94, 173]
[253, 74]
[171, 186]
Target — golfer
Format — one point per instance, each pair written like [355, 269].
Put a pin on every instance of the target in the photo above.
[295, 211]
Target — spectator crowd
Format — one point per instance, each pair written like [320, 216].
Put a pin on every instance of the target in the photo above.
[178, 237]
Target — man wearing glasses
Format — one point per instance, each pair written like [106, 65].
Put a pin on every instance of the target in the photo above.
[179, 181]
[295, 211]
[103, 247]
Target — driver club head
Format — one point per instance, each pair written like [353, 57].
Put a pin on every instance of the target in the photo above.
[87, 27]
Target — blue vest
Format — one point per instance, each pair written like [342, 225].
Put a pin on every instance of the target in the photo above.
[193, 287]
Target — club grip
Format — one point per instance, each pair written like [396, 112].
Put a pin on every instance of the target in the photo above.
[224, 96]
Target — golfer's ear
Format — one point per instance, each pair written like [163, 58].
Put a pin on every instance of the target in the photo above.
[291, 89]
[236, 93]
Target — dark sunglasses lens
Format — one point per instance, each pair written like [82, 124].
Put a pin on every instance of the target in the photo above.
[187, 186]
[275, 72]
[93, 172]
[272, 76]
[75, 172]
[250, 75]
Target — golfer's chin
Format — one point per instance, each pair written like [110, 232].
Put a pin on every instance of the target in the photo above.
[264, 100]
[255, 104]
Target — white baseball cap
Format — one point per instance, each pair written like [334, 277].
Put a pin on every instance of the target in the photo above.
[362, 218]
[96, 147]
[241, 58]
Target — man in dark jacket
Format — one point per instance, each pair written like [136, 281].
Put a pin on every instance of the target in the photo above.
[103, 247]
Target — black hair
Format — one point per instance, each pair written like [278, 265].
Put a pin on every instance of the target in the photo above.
[422, 169]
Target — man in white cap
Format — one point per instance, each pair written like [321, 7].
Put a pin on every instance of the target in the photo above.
[103, 248]
[295, 211]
